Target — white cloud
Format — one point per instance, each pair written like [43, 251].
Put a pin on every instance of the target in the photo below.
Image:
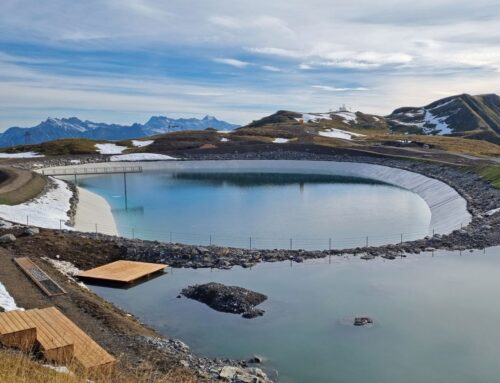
[405, 52]
[271, 68]
[232, 62]
[328, 88]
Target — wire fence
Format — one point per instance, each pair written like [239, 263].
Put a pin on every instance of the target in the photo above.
[258, 241]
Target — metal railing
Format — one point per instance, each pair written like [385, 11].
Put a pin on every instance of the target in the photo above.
[91, 170]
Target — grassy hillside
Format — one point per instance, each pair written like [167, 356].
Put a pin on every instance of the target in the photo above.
[58, 147]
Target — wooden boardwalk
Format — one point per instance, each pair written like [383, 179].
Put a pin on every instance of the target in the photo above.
[37, 275]
[122, 271]
[58, 338]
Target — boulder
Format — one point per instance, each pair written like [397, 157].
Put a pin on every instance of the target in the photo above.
[7, 238]
[229, 299]
[32, 231]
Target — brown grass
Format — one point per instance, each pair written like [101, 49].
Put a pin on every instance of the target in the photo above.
[16, 367]
[449, 144]
[58, 147]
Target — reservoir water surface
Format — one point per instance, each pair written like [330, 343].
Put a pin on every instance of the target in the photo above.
[262, 210]
[435, 317]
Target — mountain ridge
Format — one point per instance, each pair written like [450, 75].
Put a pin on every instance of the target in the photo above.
[461, 115]
[72, 127]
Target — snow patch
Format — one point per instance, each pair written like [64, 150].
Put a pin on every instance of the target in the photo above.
[141, 144]
[49, 211]
[141, 157]
[224, 139]
[224, 132]
[347, 116]
[439, 122]
[21, 155]
[314, 117]
[6, 301]
[492, 211]
[443, 104]
[339, 133]
[66, 268]
[280, 140]
[110, 148]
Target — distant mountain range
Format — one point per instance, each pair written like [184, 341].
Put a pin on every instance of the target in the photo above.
[462, 115]
[59, 128]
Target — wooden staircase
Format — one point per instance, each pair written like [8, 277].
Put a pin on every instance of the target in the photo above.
[58, 338]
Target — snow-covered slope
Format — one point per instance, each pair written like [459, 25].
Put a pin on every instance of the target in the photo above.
[456, 114]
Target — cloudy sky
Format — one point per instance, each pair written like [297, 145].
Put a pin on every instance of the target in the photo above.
[125, 60]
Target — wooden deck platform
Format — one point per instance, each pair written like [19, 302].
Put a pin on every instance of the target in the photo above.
[58, 338]
[39, 277]
[123, 271]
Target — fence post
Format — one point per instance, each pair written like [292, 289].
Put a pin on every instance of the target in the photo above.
[60, 224]
[401, 238]
[27, 220]
[250, 243]
[329, 243]
[366, 241]
[291, 242]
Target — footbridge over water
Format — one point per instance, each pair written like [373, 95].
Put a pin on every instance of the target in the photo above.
[90, 171]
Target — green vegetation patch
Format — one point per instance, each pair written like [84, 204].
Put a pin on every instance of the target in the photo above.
[491, 174]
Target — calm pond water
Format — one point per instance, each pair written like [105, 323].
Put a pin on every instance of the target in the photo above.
[436, 317]
[229, 208]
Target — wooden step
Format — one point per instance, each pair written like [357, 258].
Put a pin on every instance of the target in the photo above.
[56, 336]
[55, 344]
[16, 332]
[87, 353]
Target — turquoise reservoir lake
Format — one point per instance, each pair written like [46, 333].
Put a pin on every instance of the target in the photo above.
[264, 210]
[435, 317]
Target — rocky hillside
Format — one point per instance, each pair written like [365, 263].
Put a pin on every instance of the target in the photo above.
[60, 128]
[464, 115]
[343, 118]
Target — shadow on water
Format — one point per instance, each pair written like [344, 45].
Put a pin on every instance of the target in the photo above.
[121, 285]
[246, 180]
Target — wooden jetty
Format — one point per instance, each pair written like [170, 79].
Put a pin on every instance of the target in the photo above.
[57, 337]
[122, 271]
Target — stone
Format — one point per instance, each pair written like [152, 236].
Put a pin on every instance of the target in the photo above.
[362, 321]
[255, 360]
[254, 313]
[32, 231]
[7, 238]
